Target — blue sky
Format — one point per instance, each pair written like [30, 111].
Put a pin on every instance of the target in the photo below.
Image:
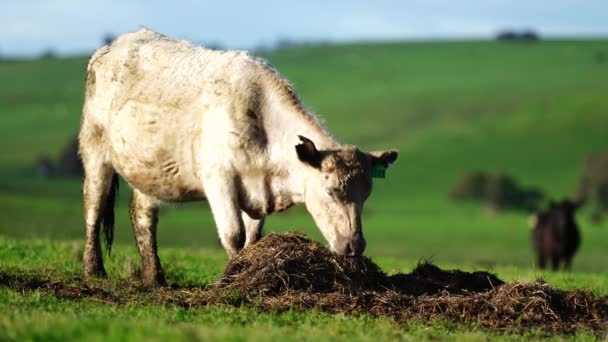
[28, 27]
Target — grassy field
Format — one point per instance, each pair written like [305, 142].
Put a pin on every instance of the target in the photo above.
[34, 315]
[532, 110]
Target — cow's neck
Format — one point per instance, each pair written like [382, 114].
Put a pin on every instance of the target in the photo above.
[286, 122]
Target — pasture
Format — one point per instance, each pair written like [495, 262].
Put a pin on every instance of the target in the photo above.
[531, 110]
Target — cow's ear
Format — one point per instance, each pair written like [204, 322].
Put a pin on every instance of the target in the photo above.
[384, 158]
[381, 160]
[308, 153]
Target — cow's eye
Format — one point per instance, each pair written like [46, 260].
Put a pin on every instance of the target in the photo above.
[333, 192]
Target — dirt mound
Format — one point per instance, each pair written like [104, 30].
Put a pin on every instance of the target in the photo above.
[291, 262]
[279, 263]
[430, 279]
[514, 307]
[281, 272]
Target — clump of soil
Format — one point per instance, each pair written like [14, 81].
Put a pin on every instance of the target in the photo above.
[287, 271]
[284, 271]
[430, 279]
[291, 262]
[280, 263]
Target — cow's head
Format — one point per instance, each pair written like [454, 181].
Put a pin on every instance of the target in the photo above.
[567, 208]
[337, 183]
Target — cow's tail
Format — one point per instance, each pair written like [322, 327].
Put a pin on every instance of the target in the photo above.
[108, 213]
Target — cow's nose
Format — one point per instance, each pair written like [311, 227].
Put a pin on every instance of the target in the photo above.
[354, 248]
[349, 250]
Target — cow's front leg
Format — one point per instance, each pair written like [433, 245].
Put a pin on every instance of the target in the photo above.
[223, 200]
[253, 228]
[144, 217]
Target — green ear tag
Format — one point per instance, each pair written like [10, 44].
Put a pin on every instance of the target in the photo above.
[379, 171]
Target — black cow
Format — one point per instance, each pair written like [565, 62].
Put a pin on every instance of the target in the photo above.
[555, 234]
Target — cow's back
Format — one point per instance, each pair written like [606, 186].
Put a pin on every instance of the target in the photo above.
[157, 99]
[146, 67]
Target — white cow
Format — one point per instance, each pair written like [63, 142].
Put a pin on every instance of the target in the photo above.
[183, 123]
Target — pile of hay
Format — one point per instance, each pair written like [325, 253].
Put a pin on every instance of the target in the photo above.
[284, 271]
[291, 262]
[281, 263]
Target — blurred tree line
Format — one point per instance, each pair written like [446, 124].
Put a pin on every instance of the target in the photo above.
[499, 191]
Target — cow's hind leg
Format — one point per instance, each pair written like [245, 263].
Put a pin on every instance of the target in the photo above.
[99, 182]
[253, 228]
[144, 218]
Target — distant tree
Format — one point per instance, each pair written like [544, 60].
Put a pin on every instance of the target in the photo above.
[261, 49]
[497, 191]
[44, 167]
[593, 184]
[69, 163]
[506, 36]
[514, 36]
[529, 36]
[469, 187]
[284, 43]
[108, 38]
[48, 54]
[214, 46]
[500, 191]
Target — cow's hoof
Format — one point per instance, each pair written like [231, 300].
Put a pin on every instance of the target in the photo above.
[154, 280]
[95, 272]
[153, 284]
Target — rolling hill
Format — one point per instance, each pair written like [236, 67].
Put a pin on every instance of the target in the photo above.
[531, 110]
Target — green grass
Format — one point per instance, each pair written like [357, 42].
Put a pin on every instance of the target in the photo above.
[532, 110]
[37, 316]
